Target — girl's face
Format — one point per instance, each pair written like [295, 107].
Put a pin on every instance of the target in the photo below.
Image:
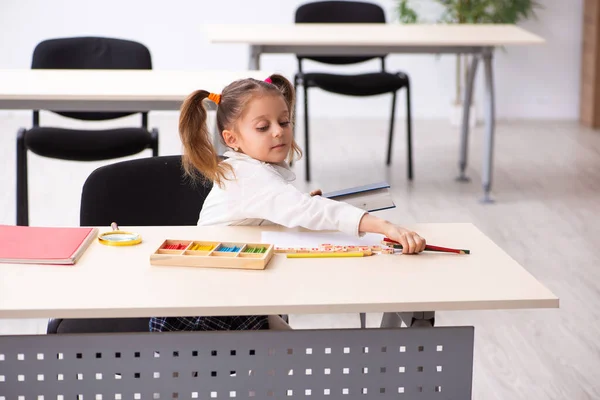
[264, 130]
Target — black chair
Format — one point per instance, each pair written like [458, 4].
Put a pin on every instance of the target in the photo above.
[368, 84]
[78, 144]
[145, 192]
[97, 325]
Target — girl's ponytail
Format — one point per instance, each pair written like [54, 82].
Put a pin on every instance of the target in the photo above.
[200, 159]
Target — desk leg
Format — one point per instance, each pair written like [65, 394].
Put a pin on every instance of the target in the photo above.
[411, 319]
[467, 100]
[490, 124]
[254, 62]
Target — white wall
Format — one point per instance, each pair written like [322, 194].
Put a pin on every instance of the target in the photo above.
[531, 82]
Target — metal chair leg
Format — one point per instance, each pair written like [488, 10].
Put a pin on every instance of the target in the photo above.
[306, 145]
[363, 320]
[294, 114]
[295, 106]
[22, 192]
[410, 319]
[154, 135]
[391, 134]
[409, 133]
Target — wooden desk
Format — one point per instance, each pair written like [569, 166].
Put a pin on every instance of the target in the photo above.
[108, 90]
[377, 39]
[120, 282]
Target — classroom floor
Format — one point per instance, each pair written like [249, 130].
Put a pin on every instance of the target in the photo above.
[547, 217]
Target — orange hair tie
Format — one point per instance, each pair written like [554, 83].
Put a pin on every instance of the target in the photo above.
[215, 97]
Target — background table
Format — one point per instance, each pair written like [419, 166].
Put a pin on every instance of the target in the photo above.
[108, 90]
[377, 39]
[111, 90]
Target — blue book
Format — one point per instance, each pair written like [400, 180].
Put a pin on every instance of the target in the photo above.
[371, 198]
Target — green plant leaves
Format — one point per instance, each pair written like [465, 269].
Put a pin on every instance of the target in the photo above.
[474, 11]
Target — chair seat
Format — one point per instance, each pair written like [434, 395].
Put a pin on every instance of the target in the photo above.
[356, 85]
[87, 145]
[94, 325]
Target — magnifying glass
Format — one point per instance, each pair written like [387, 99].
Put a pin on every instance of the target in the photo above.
[118, 237]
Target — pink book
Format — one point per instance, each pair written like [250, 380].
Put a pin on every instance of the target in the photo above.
[43, 245]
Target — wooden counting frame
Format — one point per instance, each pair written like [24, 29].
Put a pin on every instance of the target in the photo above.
[191, 253]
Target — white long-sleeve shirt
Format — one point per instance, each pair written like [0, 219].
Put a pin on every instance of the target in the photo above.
[261, 194]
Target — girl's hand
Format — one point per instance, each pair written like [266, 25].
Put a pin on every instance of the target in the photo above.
[411, 242]
[316, 192]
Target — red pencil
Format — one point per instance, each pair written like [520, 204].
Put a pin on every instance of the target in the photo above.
[431, 248]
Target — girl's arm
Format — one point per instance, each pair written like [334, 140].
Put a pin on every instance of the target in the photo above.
[267, 196]
[281, 203]
[411, 241]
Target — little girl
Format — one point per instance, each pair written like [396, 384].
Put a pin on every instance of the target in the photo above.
[252, 186]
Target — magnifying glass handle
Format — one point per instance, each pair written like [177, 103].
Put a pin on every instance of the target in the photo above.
[114, 226]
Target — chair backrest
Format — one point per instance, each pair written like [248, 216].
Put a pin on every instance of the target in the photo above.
[339, 12]
[91, 53]
[144, 192]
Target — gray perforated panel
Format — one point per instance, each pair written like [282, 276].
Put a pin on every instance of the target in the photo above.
[416, 363]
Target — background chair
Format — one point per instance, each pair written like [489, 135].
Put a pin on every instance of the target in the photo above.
[368, 84]
[79, 144]
[145, 192]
